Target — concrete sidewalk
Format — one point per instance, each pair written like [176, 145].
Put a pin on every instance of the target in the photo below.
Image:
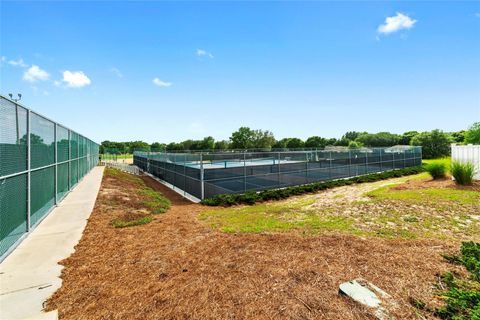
[30, 274]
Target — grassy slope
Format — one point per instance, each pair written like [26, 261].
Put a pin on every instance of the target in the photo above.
[138, 208]
[375, 210]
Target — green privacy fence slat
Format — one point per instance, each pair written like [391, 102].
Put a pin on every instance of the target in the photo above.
[42, 192]
[73, 145]
[42, 141]
[13, 206]
[73, 172]
[13, 138]
[62, 144]
[62, 180]
[55, 153]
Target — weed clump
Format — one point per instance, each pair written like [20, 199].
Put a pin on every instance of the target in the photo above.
[463, 172]
[437, 170]
[462, 297]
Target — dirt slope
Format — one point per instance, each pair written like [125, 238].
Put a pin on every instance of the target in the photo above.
[178, 268]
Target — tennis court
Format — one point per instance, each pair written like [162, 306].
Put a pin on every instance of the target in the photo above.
[203, 175]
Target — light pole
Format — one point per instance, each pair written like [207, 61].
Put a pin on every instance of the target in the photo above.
[16, 113]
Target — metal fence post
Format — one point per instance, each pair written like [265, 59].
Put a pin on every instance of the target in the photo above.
[366, 162]
[306, 167]
[69, 184]
[184, 175]
[56, 163]
[330, 164]
[381, 162]
[245, 171]
[279, 167]
[78, 158]
[349, 162]
[202, 182]
[29, 174]
[393, 159]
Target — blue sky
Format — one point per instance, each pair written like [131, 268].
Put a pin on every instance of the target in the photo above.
[175, 70]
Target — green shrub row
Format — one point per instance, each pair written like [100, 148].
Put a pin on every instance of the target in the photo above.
[278, 194]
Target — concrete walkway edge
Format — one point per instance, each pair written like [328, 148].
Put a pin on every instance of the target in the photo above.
[30, 274]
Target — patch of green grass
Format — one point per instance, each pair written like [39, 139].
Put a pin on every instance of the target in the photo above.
[121, 223]
[274, 217]
[156, 202]
[422, 195]
[123, 176]
[446, 161]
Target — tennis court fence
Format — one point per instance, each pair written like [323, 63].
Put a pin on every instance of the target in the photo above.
[40, 162]
[206, 174]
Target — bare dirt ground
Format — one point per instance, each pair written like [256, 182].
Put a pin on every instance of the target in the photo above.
[177, 267]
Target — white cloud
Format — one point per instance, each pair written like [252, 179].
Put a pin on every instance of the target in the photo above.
[3, 58]
[74, 79]
[34, 73]
[396, 23]
[161, 83]
[477, 14]
[116, 72]
[18, 63]
[203, 53]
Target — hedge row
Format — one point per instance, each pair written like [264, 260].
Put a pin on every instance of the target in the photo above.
[278, 194]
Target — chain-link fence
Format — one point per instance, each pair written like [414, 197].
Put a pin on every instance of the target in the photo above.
[40, 161]
[204, 175]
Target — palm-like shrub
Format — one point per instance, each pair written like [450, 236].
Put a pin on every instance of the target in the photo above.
[438, 170]
[463, 172]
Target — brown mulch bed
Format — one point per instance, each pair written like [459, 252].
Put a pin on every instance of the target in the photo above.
[178, 268]
[439, 183]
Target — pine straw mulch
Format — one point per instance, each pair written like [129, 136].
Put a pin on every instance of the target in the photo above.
[178, 268]
[438, 183]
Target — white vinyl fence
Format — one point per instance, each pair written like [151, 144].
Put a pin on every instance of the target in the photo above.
[468, 153]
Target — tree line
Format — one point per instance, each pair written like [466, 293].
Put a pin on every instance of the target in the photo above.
[435, 143]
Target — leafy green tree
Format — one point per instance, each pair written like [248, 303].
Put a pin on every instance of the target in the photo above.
[352, 135]
[342, 142]
[294, 143]
[222, 145]
[472, 135]
[435, 144]
[406, 137]
[281, 144]
[331, 142]
[208, 143]
[157, 146]
[137, 145]
[315, 142]
[263, 139]
[459, 136]
[380, 139]
[243, 138]
[173, 146]
[354, 145]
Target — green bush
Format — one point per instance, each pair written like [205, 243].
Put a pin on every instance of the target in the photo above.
[250, 198]
[463, 172]
[437, 170]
